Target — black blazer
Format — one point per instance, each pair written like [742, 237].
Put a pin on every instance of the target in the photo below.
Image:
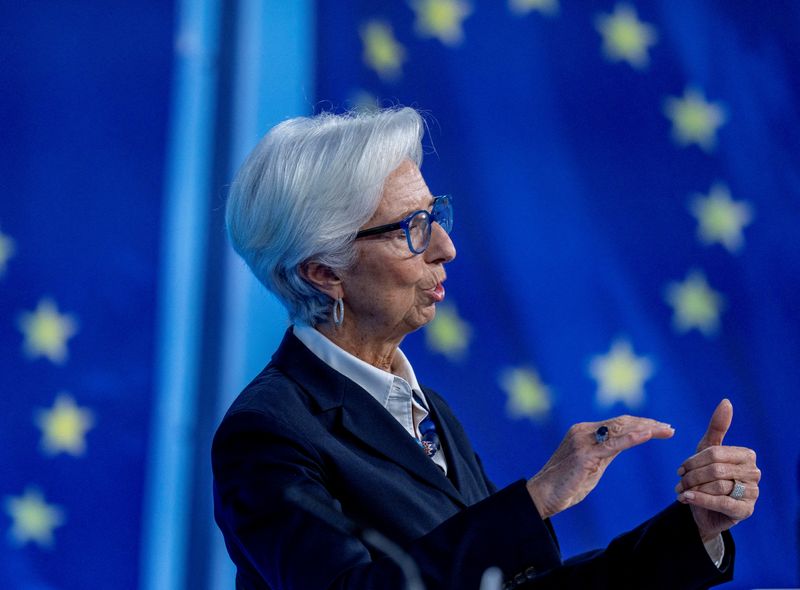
[302, 425]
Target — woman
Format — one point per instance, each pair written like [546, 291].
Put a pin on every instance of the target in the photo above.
[333, 216]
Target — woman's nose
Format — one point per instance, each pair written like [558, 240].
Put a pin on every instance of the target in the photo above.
[441, 247]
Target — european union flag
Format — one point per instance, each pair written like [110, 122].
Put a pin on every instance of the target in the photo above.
[83, 112]
[626, 177]
[626, 186]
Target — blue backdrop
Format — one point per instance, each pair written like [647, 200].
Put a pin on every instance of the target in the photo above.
[83, 111]
[627, 185]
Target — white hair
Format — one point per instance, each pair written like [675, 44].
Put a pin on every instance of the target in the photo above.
[305, 190]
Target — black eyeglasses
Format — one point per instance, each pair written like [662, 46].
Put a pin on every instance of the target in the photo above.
[418, 225]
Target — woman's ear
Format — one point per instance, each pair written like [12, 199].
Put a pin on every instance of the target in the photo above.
[323, 278]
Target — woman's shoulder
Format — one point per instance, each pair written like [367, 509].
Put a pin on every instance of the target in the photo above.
[270, 403]
[270, 387]
[272, 393]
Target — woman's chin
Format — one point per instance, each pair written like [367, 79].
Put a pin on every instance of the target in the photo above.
[423, 318]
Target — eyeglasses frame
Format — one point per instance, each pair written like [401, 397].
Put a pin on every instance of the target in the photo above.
[405, 223]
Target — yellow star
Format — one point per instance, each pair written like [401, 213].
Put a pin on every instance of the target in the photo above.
[448, 333]
[382, 52]
[364, 101]
[46, 332]
[548, 7]
[721, 219]
[442, 19]
[33, 518]
[64, 426]
[527, 395]
[7, 249]
[695, 304]
[625, 37]
[694, 120]
[620, 375]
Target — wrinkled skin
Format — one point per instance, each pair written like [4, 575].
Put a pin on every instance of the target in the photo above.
[707, 477]
[579, 462]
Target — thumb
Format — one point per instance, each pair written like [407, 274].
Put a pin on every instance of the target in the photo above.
[718, 426]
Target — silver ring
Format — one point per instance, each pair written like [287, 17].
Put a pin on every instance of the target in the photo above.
[601, 434]
[738, 490]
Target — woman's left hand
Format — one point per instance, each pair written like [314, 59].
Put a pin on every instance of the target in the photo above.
[708, 477]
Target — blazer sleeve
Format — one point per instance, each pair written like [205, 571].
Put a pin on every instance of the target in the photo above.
[663, 553]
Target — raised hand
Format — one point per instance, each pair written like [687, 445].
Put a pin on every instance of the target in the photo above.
[709, 476]
[577, 465]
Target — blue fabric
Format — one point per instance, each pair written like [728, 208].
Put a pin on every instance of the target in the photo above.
[575, 219]
[83, 114]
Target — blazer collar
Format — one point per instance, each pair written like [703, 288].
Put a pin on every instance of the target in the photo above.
[361, 414]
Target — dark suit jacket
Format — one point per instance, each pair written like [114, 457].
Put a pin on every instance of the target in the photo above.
[302, 425]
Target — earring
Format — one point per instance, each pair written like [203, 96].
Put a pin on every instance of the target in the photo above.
[338, 312]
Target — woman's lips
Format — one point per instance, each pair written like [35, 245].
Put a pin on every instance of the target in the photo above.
[437, 293]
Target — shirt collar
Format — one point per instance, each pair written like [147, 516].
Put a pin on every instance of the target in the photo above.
[377, 382]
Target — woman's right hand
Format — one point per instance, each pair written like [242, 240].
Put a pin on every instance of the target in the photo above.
[577, 465]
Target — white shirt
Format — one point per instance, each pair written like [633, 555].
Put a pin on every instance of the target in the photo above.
[393, 391]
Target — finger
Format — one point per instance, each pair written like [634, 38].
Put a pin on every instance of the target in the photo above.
[718, 425]
[718, 454]
[625, 424]
[718, 471]
[663, 432]
[620, 427]
[723, 487]
[616, 444]
[734, 509]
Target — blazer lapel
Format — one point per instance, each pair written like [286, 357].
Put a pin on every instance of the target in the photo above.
[362, 415]
[458, 465]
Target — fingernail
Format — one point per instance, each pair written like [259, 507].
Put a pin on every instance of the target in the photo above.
[681, 470]
[688, 495]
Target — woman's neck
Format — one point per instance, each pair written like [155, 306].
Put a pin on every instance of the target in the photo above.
[378, 352]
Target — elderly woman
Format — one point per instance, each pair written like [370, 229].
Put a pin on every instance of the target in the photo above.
[333, 216]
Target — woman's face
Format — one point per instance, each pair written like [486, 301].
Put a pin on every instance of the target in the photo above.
[390, 292]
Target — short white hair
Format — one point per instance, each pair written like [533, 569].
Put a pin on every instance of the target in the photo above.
[305, 190]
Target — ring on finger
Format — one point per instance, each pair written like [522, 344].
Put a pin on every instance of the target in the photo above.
[601, 434]
[738, 490]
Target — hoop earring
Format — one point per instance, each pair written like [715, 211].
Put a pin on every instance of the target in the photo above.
[338, 312]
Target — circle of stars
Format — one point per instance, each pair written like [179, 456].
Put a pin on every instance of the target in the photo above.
[695, 120]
